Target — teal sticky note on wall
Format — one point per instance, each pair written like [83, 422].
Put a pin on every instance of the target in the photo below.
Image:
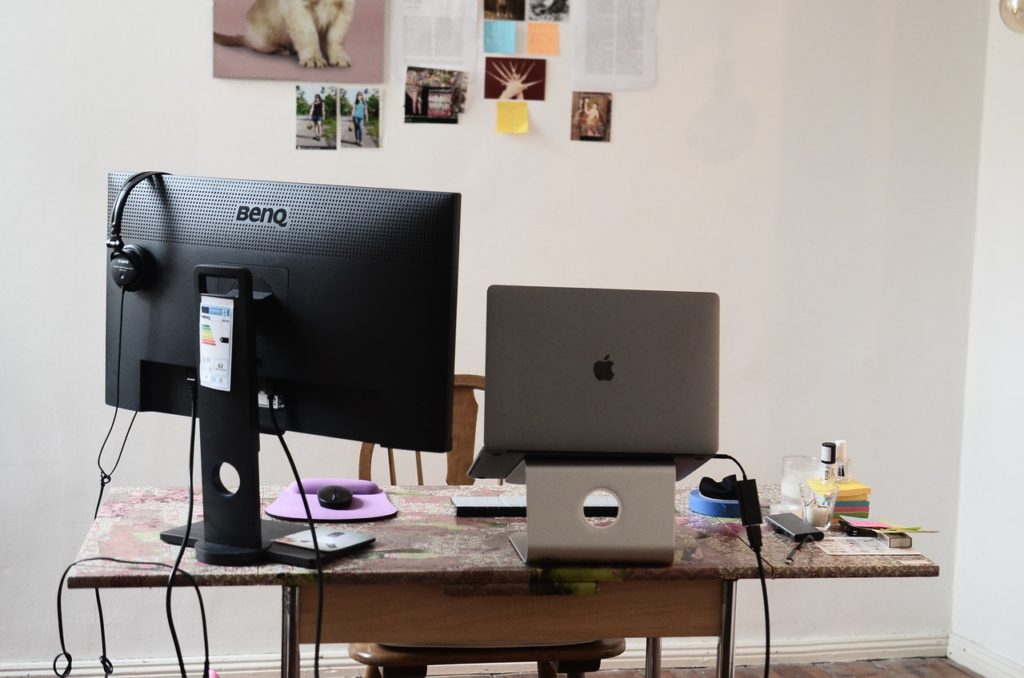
[500, 37]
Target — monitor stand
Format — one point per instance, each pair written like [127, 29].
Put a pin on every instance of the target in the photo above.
[558, 532]
[233, 532]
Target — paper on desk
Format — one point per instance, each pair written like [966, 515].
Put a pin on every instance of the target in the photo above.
[513, 117]
[614, 45]
[433, 34]
[859, 546]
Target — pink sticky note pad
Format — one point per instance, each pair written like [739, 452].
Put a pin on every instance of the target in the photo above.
[864, 522]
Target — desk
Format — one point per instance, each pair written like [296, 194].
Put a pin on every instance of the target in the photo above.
[429, 572]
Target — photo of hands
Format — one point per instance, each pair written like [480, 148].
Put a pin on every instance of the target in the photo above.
[515, 79]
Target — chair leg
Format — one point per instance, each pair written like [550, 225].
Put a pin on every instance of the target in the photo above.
[405, 671]
[578, 669]
[546, 670]
[371, 672]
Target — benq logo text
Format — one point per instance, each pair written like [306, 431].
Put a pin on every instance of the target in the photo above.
[263, 215]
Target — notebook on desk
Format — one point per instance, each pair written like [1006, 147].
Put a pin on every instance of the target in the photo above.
[599, 373]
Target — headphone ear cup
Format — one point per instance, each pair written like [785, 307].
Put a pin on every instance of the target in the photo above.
[129, 267]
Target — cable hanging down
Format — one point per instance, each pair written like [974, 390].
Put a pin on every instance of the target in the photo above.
[750, 512]
[312, 529]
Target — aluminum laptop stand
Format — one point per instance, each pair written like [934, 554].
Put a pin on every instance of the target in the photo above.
[558, 532]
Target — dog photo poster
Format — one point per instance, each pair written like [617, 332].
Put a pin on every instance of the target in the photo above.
[299, 40]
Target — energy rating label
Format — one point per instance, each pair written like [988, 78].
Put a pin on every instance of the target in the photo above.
[216, 316]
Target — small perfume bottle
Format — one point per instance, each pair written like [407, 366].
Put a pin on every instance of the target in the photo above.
[842, 463]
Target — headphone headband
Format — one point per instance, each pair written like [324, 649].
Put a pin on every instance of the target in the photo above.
[115, 242]
[129, 266]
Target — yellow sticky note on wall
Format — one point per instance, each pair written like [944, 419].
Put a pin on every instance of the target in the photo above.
[513, 117]
[542, 38]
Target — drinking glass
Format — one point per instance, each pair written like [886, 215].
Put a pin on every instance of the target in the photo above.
[795, 470]
[819, 500]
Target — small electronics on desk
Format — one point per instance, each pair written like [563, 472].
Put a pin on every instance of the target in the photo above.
[329, 539]
[892, 539]
[793, 527]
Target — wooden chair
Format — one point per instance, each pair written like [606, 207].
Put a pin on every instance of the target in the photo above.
[398, 661]
[460, 458]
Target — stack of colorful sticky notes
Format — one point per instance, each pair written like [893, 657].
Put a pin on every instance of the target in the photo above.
[852, 499]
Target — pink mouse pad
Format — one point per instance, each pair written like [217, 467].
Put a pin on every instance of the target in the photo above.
[369, 502]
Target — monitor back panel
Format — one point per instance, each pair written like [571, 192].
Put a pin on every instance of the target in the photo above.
[548, 389]
[352, 337]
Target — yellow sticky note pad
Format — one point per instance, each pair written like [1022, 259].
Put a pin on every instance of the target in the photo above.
[513, 117]
[542, 38]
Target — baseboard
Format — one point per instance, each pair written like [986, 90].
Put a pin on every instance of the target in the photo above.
[675, 653]
[969, 654]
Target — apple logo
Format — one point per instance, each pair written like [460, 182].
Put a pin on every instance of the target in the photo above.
[603, 369]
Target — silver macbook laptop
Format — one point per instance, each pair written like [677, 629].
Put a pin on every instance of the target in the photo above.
[600, 373]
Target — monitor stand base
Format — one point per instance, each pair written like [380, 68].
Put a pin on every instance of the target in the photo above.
[273, 552]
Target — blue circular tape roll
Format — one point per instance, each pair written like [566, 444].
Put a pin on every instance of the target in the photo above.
[719, 508]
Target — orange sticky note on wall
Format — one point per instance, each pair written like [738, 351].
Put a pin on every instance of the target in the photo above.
[513, 117]
[542, 38]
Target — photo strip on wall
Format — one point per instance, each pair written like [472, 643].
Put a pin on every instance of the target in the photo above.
[316, 117]
[359, 117]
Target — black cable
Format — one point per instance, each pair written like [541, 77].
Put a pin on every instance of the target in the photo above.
[316, 546]
[107, 668]
[799, 545]
[767, 619]
[107, 476]
[734, 460]
[184, 543]
[754, 536]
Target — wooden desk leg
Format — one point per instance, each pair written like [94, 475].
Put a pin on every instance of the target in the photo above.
[727, 636]
[290, 632]
[652, 668]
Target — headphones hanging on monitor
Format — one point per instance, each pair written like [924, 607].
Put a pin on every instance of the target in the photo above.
[130, 265]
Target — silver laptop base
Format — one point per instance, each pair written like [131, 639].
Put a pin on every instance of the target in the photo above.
[558, 532]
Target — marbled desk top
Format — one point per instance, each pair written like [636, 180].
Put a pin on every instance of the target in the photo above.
[427, 543]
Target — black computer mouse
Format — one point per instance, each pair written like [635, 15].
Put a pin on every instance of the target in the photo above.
[334, 497]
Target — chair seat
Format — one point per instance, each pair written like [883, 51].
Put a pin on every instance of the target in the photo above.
[393, 656]
[495, 644]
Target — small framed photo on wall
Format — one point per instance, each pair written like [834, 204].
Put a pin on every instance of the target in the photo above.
[591, 116]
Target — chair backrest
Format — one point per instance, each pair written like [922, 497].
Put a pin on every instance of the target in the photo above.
[464, 418]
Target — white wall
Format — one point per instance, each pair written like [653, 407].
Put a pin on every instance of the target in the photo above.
[814, 163]
[987, 591]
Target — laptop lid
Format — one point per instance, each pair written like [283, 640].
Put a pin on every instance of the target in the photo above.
[617, 372]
